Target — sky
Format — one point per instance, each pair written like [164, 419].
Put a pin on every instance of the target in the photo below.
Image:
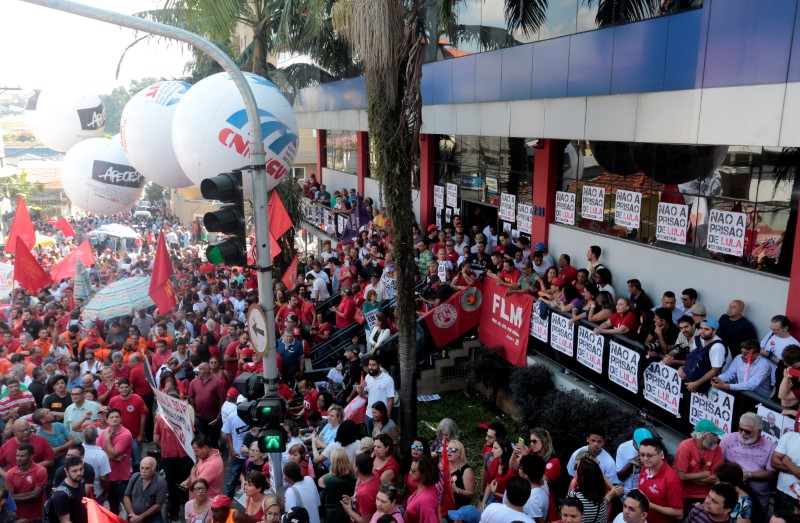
[42, 47]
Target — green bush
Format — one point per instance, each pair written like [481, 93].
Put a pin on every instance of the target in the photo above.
[490, 369]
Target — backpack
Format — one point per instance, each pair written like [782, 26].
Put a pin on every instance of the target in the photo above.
[49, 511]
[698, 362]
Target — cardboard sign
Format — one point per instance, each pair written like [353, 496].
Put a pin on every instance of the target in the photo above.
[623, 366]
[524, 218]
[590, 349]
[726, 232]
[565, 207]
[628, 209]
[662, 387]
[508, 204]
[438, 196]
[174, 411]
[452, 195]
[672, 224]
[539, 326]
[716, 405]
[775, 424]
[593, 203]
[562, 335]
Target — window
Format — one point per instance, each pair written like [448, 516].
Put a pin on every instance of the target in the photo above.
[341, 151]
[299, 173]
[731, 204]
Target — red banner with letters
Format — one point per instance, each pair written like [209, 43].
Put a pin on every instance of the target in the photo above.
[505, 321]
[455, 316]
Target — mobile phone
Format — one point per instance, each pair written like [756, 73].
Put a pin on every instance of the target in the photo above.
[521, 442]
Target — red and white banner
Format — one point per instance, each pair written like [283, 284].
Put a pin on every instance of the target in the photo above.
[455, 316]
[505, 321]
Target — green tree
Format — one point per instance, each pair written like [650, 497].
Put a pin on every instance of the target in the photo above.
[153, 192]
[18, 185]
[114, 103]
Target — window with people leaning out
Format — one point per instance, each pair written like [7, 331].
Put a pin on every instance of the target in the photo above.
[731, 204]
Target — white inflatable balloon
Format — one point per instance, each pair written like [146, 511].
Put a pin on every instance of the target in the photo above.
[146, 133]
[98, 178]
[60, 119]
[210, 133]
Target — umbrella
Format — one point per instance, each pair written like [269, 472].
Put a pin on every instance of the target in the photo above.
[116, 230]
[119, 298]
[83, 289]
[41, 240]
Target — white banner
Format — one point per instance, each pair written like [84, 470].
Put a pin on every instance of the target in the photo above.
[452, 195]
[623, 366]
[716, 405]
[508, 204]
[673, 222]
[341, 222]
[390, 284]
[590, 349]
[175, 413]
[441, 270]
[538, 325]
[628, 209]
[593, 203]
[726, 232]
[6, 279]
[438, 196]
[662, 387]
[369, 318]
[561, 334]
[565, 207]
[524, 218]
[448, 215]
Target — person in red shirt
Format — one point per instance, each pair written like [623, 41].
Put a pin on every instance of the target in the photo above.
[107, 388]
[26, 482]
[660, 483]
[206, 396]
[42, 451]
[509, 276]
[566, 272]
[231, 356]
[696, 461]
[345, 312]
[622, 322]
[176, 463]
[9, 343]
[283, 312]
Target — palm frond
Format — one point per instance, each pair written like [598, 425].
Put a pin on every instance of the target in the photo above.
[525, 15]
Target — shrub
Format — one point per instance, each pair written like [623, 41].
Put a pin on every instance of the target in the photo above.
[490, 369]
[529, 386]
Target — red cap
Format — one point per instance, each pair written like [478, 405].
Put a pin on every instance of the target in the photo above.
[498, 249]
[233, 393]
[432, 228]
[247, 352]
[558, 281]
[221, 501]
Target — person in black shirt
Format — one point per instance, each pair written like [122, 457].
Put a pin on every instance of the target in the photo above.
[30, 324]
[67, 498]
[77, 451]
[442, 292]
[37, 386]
[479, 261]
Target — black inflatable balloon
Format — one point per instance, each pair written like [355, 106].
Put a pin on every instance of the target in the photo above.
[615, 157]
[676, 164]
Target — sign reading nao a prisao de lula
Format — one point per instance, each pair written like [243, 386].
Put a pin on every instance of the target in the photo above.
[628, 209]
[452, 195]
[593, 203]
[524, 218]
[672, 224]
[438, 196]
[508, 203]
[726, 230]
[565, 207]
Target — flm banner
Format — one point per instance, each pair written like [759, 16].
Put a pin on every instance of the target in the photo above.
[455, 316]
[505, 321]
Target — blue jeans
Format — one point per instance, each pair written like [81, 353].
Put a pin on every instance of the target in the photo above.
[370, 426]
[136, 454]
[234, 471]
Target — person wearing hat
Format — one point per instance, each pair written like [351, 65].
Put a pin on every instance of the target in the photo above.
[466, 514]
[696, 459]
[221, 511]
[432, 235]
[627, 459]
[709, 358]
[698, 312]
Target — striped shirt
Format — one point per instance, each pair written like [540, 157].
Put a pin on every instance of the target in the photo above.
[24, 403]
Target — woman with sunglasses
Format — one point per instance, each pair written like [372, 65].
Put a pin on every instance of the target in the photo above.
[362, 506]
[419, 447]
[461, 474]
[197, 509]
[541, 444]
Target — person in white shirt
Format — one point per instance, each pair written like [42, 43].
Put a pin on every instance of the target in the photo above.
[596, 439]
[518, 491]
[378, 386]
[98, 459]
[628, 464]
[779, 338]
[531, 467]
[302, 492]
[318, 288]
[377, 285]
[634, 508]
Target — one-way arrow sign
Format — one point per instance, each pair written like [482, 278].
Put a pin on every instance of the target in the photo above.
[257, 327]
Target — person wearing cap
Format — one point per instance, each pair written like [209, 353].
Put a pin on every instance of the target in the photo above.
[221, 511]
[627, 459]
[466, 514]
[234, 430]
[548, 258]
[698, 312]
[707, 360]
[696, 459]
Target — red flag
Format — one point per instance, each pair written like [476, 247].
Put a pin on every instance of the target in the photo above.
[279, 221]
[290, 276]
[22, 228]
[64, 226]
[66, 268]
[27, 270]
[448, 501]
[274, 250]
[160, 283]
[97, 513]
[455, 316]
[506, 322]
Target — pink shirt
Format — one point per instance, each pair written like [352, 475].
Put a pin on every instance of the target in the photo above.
[423, 506]
[210, 469]
[121, 441]
[751, 458]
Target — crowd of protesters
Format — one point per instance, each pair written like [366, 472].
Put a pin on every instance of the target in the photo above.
[79, 417]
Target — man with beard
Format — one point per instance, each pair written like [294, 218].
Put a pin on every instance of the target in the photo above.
[378, 386]
[696, 460]
[749, 449]
[351, 372]
[596, 439]
[708, 359]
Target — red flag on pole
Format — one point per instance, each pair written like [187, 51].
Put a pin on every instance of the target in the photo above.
[64, 226]
[160, 283]
[448, 501]
[27, 270]
[279, 221]
[21, 228]
[66, 268]
[290, 276]
[96, 513]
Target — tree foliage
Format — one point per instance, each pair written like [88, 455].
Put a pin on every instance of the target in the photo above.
[114, 102]
[18, 185]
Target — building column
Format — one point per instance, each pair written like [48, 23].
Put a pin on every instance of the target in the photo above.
[545, 170]
[362, 157]
[322, 156]
[427, 177]
[793, 300]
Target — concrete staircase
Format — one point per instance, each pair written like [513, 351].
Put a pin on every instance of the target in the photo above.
[450, 373]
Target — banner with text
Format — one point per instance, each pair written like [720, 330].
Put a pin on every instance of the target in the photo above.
[562, 334]
[672, 224]
[438, 196]
[628, 209]
[717, 406]
[508, 206]
[452, 195]
[524, 218]
[593, 203]
[565, 207]
[662, 387]
[623, 366]
[175, 413]
[726, 230]
[590, 349]
[505, 322]
[6, 279]
[455, 316]
[539, 326]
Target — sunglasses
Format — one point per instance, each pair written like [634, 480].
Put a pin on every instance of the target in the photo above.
[534, 441]
[745, 431]
[388, 486]
[417, 447]
[452, 449]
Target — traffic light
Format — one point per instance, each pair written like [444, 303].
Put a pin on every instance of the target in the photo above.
[230, 219]
[269, 414]
[251, 386]
[272, 440]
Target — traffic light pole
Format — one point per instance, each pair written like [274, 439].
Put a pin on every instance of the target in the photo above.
[257, 167]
